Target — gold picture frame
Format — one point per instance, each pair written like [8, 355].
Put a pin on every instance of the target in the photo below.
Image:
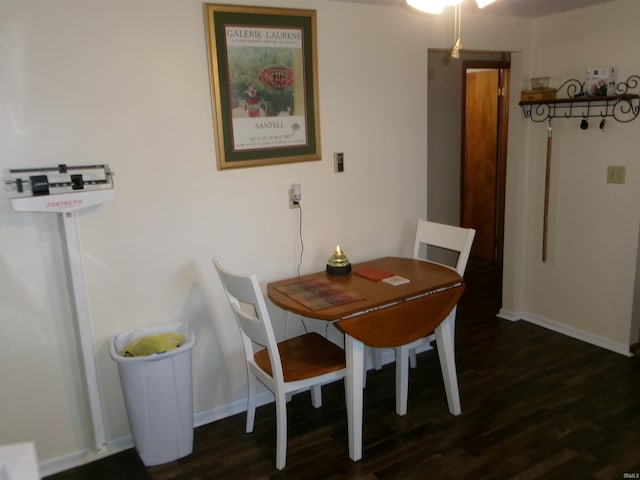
[264, 85]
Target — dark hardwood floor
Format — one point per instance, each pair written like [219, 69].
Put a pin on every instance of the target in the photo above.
[535, 405]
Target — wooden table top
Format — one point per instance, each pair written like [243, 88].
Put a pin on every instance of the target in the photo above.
[425, 277]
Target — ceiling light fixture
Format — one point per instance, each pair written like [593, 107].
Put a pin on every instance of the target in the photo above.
[484, 3]
[432, 6]
[437, 6]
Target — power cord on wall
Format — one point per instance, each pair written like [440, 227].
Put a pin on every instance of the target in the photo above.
[304, 325]
[297, 204]
[300, 236]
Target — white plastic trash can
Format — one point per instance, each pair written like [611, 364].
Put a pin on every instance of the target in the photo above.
[158, 395]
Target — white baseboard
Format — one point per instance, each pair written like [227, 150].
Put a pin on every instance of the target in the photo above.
[224, 411]
[508, 315]
[82, 457]
[567, 330]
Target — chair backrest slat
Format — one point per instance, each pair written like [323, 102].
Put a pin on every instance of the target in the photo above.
[252, 316]
[457, 239]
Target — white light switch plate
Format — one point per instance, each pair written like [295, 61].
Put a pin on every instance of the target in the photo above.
[615, 174]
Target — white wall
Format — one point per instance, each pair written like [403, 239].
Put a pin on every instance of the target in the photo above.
[586, 286]
[443, 138]
[635, 311]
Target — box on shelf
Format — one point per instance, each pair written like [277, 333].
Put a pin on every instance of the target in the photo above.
[538, 95]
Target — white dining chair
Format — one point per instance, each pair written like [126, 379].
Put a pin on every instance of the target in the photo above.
[286, 367]
[452, 240]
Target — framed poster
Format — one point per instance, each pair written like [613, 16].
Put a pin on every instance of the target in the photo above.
[264, 85]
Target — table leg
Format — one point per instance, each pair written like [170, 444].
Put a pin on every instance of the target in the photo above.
[402, 379]
[354, 350]
[446, 352]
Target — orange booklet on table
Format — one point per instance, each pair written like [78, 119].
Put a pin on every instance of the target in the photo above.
[373, 274]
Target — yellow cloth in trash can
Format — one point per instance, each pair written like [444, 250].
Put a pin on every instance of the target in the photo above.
[152, 344]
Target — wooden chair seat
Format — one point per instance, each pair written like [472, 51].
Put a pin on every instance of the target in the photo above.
[309, 355]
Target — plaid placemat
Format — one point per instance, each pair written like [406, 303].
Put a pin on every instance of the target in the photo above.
[319, 294]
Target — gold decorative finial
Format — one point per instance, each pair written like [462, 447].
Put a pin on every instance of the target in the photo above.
[338, 263]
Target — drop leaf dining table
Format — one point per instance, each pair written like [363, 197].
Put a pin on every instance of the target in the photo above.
[370, 311]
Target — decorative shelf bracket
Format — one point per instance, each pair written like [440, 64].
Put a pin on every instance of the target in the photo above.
[623, 107]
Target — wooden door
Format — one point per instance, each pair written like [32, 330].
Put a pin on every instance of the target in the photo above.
[483, 168]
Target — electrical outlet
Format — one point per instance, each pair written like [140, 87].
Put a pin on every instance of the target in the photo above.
[295, 195]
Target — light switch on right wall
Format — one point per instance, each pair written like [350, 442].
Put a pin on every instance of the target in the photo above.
[615, 174]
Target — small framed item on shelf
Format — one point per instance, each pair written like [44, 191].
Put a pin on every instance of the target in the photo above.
[600, 81]
[539, 83]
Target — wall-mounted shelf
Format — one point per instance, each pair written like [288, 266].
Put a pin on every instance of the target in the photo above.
[623, 107]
